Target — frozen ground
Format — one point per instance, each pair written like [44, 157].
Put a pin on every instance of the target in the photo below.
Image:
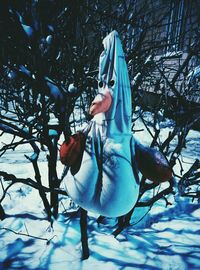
[167, 238]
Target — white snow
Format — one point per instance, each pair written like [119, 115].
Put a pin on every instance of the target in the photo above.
[167, 238]
[72, 88]
[58, 56]
[12, 75]
[53, 133]
[49, 39]
[54, 90]
[28, 30]
[25, 70]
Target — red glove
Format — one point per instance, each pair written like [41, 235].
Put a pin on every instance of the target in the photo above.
[71, 152]
[152, 164]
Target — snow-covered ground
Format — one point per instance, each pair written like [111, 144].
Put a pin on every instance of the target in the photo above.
[167, 238]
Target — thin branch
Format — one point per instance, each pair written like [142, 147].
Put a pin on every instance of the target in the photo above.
[29, 182]
[156, 197]
[27, 235]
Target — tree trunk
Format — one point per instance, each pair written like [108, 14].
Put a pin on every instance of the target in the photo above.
[53, 178]
[2, 213]
[84, 236]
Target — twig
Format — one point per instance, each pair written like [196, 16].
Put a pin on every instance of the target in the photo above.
[27, 235]
[14, 145]
[29, 182]
[156, 197]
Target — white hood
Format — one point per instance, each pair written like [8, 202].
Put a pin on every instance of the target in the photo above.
[113, 68]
